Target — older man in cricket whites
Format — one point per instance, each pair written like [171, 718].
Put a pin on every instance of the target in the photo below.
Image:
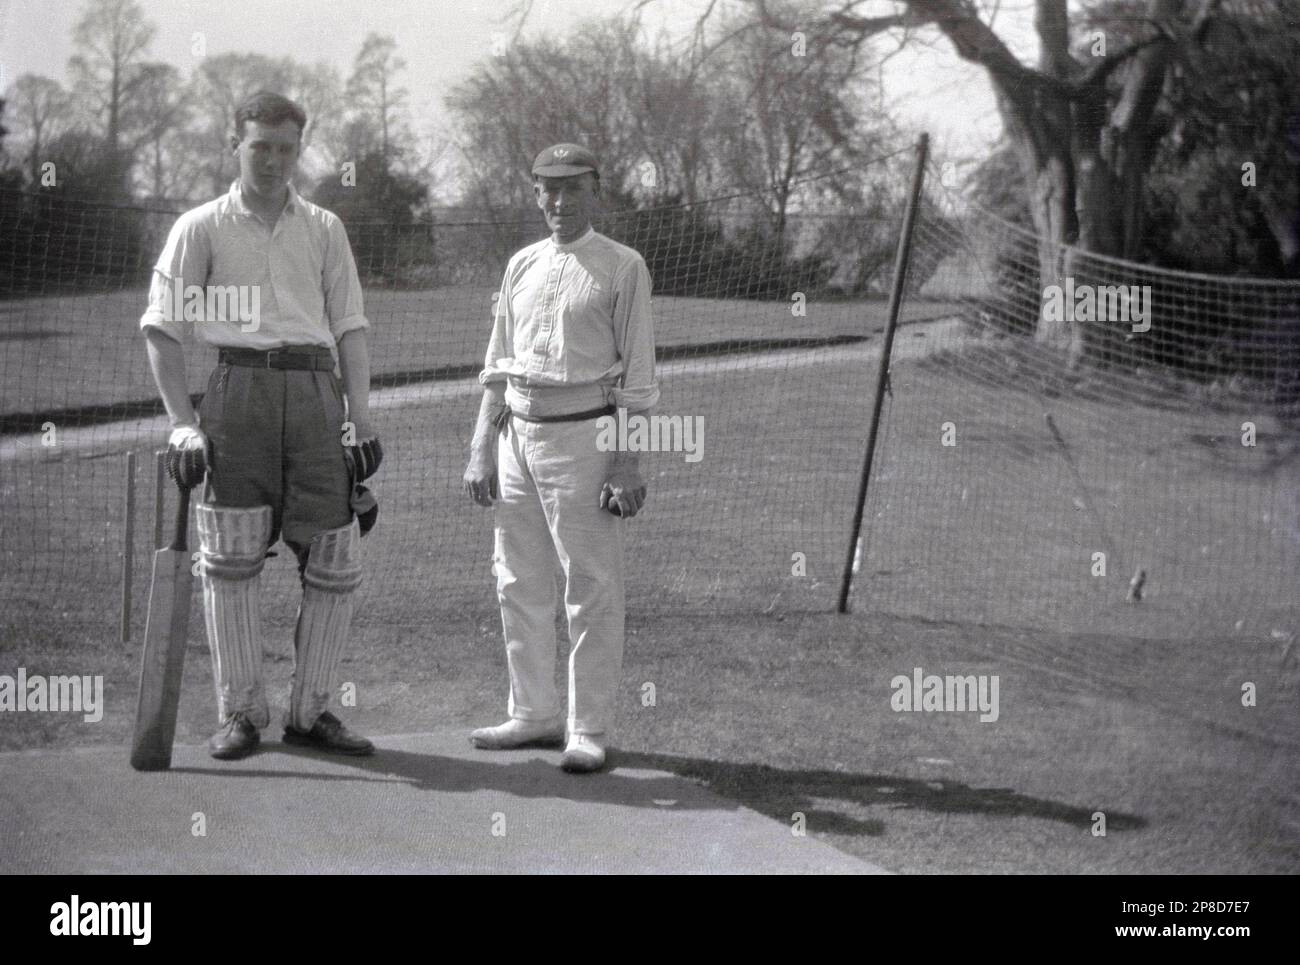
[572, 341]
[282, 449]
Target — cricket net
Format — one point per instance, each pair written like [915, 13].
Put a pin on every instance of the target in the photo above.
[756, 339]
[768, 333]
[1028, 481]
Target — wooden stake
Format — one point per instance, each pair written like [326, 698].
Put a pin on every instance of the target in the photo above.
[128, 539]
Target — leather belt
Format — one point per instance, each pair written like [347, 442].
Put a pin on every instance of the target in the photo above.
[311, 357]
[568, 417]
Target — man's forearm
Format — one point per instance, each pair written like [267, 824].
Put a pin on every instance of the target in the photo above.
[626, 462]
[354, 363]
[626, 459]
[494, 401]
[167, 362]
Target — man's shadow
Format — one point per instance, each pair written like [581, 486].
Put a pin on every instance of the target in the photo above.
[778, 792]
[662, 781]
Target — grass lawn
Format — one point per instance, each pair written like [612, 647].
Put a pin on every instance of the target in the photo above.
[68, 351]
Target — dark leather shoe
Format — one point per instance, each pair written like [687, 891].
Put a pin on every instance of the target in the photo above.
[328, 734]
[237, 739]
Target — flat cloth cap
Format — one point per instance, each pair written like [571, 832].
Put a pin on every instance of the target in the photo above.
[564, 160]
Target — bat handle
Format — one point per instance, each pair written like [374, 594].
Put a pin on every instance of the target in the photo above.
[180, 536]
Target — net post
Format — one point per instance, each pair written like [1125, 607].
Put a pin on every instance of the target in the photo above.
[128, 540]
[882, 375]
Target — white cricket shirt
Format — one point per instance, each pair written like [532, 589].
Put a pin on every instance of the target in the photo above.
[308, 292]
[572, 329]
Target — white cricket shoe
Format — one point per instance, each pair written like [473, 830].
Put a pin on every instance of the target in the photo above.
[583, 754]
[519, 733]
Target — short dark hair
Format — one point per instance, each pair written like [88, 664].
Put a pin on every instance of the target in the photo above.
[266, 107]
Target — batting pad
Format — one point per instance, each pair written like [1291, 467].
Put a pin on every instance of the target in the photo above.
[332, 574]
[232, 543]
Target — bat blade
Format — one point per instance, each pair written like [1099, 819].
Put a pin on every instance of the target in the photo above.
[162, 660]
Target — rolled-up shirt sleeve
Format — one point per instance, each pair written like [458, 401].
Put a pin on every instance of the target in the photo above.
[634, 334]
[185, 260]
[344, 308]
[497, 364]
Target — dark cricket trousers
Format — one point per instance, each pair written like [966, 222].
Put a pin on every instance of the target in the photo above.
[277, 440]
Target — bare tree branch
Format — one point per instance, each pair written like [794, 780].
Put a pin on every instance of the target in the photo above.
[1105, 66]
[975, 41]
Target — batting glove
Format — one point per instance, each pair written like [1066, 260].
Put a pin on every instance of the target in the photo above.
[366, 458]
[365, 507]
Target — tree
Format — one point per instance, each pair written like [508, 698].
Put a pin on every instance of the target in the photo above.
[744, 112]
[793, 117]
[532, 94]
[11, 177]
[1079, 120]
[383, 211]
[374, 96]
[41, 110]
[319, 89]
[1222, 192]
[675, 112]
[1224, 185]
[665, 122]
[166, 107]
[112, 39]
[385, 191]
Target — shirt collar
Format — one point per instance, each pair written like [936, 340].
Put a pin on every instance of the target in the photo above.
[237, 199]
[576, 243]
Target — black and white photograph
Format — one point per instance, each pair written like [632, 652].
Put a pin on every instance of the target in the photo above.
[654, 437]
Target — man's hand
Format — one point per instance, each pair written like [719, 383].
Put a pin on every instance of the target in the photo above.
[481, 473]
[187, 456]
[624, 491]
[481, 477]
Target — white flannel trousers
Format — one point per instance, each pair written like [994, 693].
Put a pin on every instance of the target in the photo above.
[549, 520]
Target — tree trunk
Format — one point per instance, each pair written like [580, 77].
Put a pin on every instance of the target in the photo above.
[782, 200]
[1098, 194]
[1115, 148]
[36, 158]
[114, 94]
[1084, 160]
[383, 120]
[1042, 141]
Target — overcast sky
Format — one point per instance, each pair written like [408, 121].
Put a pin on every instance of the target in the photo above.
[441, 39]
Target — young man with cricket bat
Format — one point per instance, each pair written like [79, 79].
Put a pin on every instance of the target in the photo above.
[282, 450]
[572, 341]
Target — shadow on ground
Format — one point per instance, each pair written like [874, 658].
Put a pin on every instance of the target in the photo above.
[822, 796]
[778, 793]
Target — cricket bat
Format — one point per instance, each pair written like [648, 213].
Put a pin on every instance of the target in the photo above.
[163, 659]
